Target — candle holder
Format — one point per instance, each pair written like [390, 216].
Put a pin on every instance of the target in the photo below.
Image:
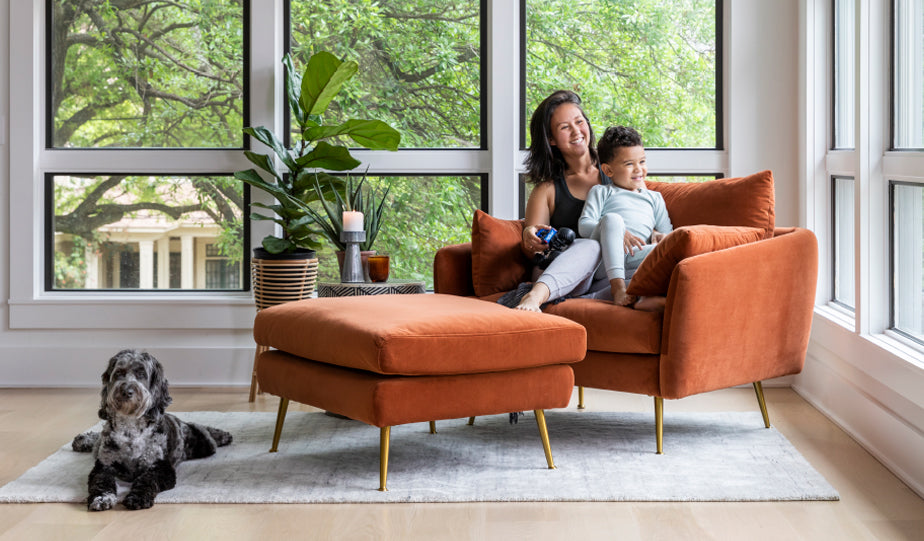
[352, 270]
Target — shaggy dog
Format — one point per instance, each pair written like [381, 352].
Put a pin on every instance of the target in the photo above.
[139, 443]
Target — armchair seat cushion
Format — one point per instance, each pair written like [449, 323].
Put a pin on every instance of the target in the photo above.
[611, 328]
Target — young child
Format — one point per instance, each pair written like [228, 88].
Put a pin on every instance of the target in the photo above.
[625, 217]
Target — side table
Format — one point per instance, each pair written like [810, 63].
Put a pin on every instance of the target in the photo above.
[358, 289]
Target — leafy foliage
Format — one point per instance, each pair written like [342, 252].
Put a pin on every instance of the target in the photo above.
[317, 87]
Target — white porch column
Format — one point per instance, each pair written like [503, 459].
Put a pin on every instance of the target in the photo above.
[92, 259]
[146, 264]
[163, 263]
[187, 263]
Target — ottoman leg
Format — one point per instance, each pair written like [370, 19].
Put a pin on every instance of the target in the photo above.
[471, 421]
[254, 386]
[544, 433]
[280, 418]
[383, 457]
[433, 427]
[580, 397]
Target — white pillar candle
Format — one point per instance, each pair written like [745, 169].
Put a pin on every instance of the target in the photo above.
[352, 220]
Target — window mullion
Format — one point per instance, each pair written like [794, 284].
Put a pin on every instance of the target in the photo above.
[871, 214]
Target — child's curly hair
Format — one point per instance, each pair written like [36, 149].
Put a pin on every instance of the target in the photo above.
[617, 137]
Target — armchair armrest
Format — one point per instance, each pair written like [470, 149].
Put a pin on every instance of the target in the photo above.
[452, 270]
[739, 315]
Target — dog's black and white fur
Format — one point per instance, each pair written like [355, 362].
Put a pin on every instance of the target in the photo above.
[139, 443]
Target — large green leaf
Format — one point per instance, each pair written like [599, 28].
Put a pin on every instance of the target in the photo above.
[327, 156]
[276, 245]
[263, 161]
[371, 134]
[293, 89]
[269, 139]
[322, 80]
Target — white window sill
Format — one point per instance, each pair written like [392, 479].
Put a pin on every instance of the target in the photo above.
[155, 310]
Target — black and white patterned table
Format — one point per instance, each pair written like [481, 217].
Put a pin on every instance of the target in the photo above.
[391, 287]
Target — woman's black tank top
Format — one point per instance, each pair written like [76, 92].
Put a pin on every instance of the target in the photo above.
[567, 207]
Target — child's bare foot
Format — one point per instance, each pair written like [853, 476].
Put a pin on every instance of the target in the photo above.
[620, 297]
[624, 299]
[651, 304]
[537, 296]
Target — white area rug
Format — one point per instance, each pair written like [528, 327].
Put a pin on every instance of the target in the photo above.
[600, 457]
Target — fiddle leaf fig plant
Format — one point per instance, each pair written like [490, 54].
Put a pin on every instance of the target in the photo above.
[315, 148]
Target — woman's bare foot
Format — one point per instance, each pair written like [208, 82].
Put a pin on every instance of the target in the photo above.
[651, 304]
[537, 296]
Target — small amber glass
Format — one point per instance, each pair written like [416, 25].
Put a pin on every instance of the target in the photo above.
[378, 268]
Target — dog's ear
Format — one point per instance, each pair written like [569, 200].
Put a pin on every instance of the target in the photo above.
[158, 386]
[104, 393]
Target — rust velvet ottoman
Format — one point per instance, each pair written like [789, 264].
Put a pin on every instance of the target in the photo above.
[395, 359]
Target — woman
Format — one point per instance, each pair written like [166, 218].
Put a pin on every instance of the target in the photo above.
[563, 164]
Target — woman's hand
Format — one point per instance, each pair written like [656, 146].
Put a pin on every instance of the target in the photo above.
[531, 243]
[632, 243]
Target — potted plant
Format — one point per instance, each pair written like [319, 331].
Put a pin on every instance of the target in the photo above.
[314, 148]
[354, 198]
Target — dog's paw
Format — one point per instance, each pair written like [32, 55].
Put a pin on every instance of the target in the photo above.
[138, 500]
[83, 443]
[103, 502]
[221, 437]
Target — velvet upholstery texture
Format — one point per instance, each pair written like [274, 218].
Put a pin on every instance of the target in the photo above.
[381, 400]
[742, 201]
[498, 263]
[417, 335]
[654, 274]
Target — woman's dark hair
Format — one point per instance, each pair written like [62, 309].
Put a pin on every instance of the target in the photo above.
[545, 161]
[617, 137]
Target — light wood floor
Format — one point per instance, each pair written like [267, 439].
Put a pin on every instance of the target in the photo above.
[874, 503]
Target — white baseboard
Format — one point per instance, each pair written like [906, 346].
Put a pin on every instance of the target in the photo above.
[55, 366]
[894, 441]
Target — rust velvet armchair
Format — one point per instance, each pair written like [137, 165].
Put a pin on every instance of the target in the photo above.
[740, 294]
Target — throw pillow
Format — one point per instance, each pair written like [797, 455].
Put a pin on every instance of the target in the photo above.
[498, 264]
[654, 274]
[743, 201]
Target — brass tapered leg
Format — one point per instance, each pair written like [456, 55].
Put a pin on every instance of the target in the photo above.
[280, 418]
[433, 427]
[759, 389]
[544, 434]
[471, 421]
[254, 386]
[659, 423]
[580, 397]
[383, 457]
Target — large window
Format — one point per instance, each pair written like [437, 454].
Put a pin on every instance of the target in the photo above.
[844, 84]
[843, 245]
[146, 74]
[649, 65]
[420, 63]
[155, 75]
[908, 131]
[123, 231]
[908, 259]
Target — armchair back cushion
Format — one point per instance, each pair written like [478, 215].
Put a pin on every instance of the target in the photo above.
[498, 263]
[743, 201]
[654, 274]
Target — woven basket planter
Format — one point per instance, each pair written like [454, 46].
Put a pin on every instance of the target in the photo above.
[276, 281]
